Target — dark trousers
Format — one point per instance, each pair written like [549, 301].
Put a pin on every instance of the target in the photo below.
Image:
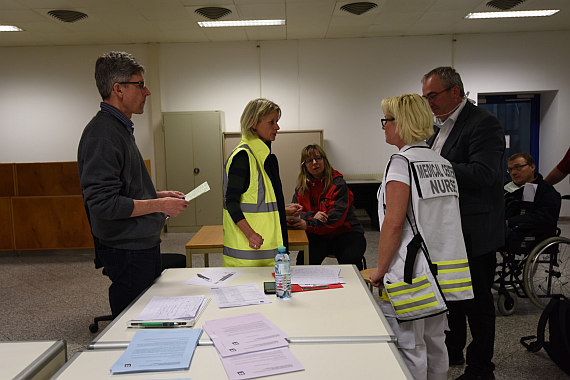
[131, 272]
[480, 313]
[348, 249]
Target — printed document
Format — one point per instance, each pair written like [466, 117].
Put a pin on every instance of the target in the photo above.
[244, 334]
[315, 275]
[239, 295]
[203, 188]
[158, 350]
[259, 364]
[166, 308]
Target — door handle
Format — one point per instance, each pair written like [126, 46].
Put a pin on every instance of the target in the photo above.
[196, 170]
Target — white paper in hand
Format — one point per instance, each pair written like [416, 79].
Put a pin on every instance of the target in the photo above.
[203, 188]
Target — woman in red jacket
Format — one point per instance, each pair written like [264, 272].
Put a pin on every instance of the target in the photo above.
[328, 213]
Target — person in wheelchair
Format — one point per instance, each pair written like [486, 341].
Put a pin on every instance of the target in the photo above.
[531, 205]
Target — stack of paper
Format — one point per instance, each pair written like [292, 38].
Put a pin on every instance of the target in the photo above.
[158, 350]
[170, 308]
[314, 275]
[239, 295]
[251, 346]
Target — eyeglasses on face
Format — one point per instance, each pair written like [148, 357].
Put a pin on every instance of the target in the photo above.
[432, 95]
[317, 159]
[516, 168]
[385, 121]
[140, 84]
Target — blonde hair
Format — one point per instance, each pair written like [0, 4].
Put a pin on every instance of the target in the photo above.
[413, 116]
[253, 112]
[304, 175]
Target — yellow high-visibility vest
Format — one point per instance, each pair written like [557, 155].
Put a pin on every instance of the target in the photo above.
[259, 206]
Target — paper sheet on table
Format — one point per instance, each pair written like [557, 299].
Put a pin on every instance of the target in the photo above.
[239, 295]
[315, 275]
[214, 277]
[244, 334]
[262, 363]
[203, 188]
[158, 350]
[182, 307]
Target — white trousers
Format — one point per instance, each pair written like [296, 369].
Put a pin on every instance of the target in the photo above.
[422, 344]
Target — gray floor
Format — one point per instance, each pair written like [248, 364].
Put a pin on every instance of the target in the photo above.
[55, 294]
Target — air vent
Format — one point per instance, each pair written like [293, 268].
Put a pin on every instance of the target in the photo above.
[67, 16]
[504, 4]
[213, 13]
[358, 8]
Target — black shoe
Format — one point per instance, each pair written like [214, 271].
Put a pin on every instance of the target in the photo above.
[457, 361]
[472, 376]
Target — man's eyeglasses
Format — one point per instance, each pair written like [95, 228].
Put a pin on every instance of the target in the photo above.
[384, 121]
[516, 168]
[310, 160]
[140, 84]
[432, 95]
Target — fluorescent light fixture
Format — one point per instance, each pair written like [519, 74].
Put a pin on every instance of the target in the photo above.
[510, 14]
[10, 28]
[218, 24]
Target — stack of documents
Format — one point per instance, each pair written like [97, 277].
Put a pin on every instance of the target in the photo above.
[239, 295]
[251, 346]
[166, 310]
[314, 275]
[158, 350]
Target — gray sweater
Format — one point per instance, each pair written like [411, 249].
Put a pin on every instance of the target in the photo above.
[112, 174]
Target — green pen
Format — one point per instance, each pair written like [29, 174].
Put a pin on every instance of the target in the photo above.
[160, 324]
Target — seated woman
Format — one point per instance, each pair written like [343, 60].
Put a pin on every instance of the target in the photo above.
[328, 213]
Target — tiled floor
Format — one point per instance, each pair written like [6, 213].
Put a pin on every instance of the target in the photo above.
[55, 294]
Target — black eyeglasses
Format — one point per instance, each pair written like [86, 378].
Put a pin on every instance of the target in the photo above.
[516, 168]
[140, 84]
[384, 121]
[432, 95]
[310, 160]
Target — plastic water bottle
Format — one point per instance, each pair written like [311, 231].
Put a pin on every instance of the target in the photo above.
[282, 274]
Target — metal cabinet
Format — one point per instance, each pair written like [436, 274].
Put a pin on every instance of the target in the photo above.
[193, 154]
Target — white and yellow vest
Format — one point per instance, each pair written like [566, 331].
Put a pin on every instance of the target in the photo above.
[259, 206]
[440, 271]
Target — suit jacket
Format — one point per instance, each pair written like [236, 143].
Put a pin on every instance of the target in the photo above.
[475, 147]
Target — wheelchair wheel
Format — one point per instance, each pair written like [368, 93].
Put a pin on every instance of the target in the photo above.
[547, 271]
[507, 303]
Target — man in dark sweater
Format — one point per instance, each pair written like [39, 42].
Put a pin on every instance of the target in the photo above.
[125, 211]
[532, 209]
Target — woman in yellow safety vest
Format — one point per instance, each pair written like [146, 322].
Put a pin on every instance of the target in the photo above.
[254, 212]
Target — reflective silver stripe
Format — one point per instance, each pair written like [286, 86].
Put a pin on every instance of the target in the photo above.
[455, 285]
[407, 286]
[265, 207]
[451, 266]
[250, 255]
[414, 304]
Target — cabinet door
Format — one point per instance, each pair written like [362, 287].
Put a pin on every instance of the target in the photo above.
[193, 142]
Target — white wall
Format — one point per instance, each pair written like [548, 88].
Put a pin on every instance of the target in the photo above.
[48, 94]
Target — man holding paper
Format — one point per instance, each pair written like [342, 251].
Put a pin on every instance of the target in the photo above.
[125, 211]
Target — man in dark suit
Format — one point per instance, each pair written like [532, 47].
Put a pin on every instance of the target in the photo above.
[473, 140]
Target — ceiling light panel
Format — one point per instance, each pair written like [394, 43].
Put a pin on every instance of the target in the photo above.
[511, 14]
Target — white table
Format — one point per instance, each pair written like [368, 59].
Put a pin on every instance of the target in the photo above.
[322, 361]
[31, 360]
[331, 315]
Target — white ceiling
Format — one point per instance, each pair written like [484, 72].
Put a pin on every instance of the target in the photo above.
[164, 21]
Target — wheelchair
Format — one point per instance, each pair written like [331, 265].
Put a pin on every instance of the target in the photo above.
[534, 266]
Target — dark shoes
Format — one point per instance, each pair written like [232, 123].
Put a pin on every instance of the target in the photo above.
[455, 360]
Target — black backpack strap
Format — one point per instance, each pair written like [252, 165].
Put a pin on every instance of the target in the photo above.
[537, 345]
